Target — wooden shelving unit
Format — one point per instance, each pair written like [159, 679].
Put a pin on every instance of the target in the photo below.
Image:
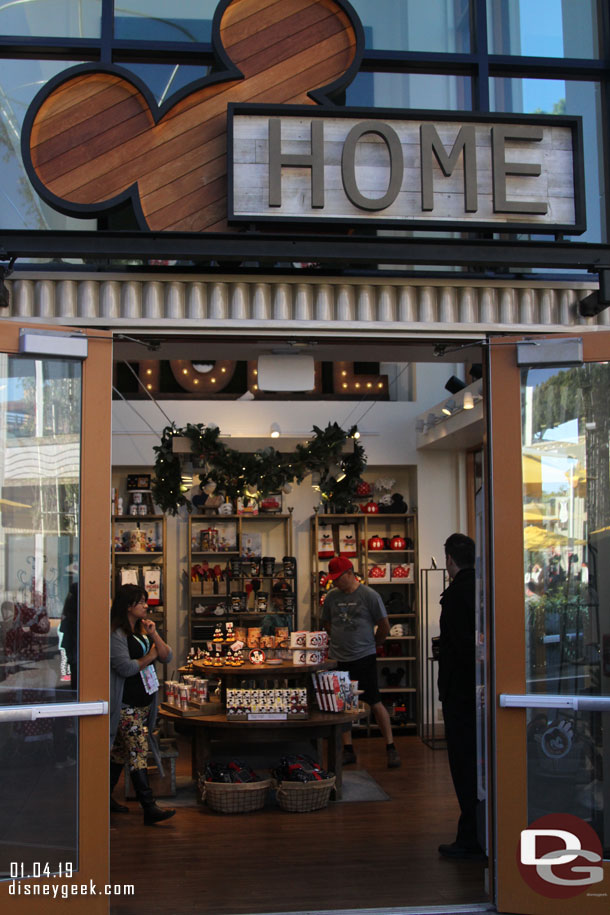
[398, 665]
[255, 538]
[152, 533]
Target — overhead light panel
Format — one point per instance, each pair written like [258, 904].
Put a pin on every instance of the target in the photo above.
[294, 372]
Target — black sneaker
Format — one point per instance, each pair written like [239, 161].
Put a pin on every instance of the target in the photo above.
[461, 851]
[393, 758]
[349, 756]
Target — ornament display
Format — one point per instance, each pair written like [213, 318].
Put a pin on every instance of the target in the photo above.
[370, 508]
[376, 543]
[377, 572]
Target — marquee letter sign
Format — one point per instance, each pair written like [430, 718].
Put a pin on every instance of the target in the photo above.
[430, 171]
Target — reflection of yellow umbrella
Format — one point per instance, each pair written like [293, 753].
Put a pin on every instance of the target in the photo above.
[537, 471]
[533, 513]
[536, 538]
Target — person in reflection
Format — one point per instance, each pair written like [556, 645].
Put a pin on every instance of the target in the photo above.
[357, 622]
[69, 633]
[456, 687]
[135, 645]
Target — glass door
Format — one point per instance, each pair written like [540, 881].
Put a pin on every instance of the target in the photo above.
[550, 484]
[54, 598]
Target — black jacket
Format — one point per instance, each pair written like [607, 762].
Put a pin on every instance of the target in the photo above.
[456, 663]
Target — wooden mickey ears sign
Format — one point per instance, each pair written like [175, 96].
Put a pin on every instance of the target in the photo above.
[94, 136]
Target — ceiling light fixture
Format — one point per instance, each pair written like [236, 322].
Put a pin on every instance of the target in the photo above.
[448, 408]
[274, 430]
[468, 401]
[454, 385]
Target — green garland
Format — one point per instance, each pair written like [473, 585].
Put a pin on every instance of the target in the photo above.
[264, 471]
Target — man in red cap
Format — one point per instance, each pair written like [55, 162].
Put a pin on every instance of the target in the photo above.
[356, 619]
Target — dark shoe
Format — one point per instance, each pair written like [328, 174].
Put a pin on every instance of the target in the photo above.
[115, 807]
[349, 756]
[154, 814]
[393, 758]
[460, 851]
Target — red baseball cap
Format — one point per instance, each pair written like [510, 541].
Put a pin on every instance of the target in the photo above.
[337, 566]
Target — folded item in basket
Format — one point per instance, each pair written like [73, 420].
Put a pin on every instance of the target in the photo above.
[300, 769]
[235, 771]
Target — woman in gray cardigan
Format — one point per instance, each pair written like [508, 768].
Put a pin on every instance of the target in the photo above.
[135, 645]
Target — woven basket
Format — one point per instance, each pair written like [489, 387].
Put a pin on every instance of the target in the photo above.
[233, 797]
[303, 797]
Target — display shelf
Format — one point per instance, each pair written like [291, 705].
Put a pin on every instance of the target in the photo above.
[330, 535]
[133, 565]
[226, 554]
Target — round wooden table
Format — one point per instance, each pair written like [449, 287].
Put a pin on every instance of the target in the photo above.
[319, 726]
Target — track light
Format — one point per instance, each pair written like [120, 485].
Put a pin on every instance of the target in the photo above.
[454, 385]
[274, 430]
[449, 407]
[468, 401]
[476, 371]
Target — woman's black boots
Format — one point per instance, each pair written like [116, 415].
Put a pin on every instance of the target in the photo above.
[152, 813]
[115, 774]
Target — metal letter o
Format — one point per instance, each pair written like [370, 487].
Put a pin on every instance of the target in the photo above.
[348, 165]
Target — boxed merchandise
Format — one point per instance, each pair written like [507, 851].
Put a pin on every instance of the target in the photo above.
[379, 572]
[402, 572]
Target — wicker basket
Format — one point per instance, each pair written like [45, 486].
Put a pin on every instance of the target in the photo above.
[303, 797]
[231, 797]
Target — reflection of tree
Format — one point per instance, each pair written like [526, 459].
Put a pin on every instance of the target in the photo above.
[569, 612]
[60, 406]
[580, 393]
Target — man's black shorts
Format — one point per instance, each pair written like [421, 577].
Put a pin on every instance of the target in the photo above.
[364, 670]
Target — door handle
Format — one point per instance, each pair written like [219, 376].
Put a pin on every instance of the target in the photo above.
[537, 700]
[63, 710]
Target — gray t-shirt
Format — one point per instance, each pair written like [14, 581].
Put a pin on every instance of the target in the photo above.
[353, 618]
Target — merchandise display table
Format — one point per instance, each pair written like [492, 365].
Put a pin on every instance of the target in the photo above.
[327, 726]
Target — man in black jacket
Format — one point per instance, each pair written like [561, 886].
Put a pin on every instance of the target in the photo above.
[456, 686]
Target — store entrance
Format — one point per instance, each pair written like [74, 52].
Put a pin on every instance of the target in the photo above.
[393, 820]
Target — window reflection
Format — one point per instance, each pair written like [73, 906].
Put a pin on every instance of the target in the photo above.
[543, 28]
[566, 523]
[410, 25]
[22, 208]
[556, 96]
[410, 90]
[51, 18]
[40, 419]
[158, 20]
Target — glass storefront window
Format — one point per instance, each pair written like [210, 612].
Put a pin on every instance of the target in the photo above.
[410, 90]
[40, 420]
[556, 96]
[22, 207]
[410, 25]
[164, 80]
[51, 18]
[566, 523]
[543, 28]
[156, 20]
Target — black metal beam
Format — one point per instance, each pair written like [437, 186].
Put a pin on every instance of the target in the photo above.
[323, 249]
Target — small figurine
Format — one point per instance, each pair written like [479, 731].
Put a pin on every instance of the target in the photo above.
[218, 637]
